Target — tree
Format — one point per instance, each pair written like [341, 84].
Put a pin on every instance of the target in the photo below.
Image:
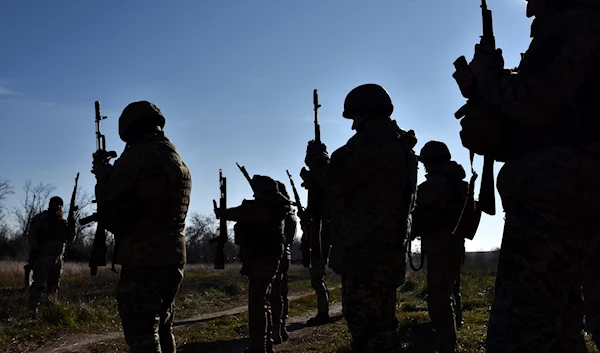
[198, 235]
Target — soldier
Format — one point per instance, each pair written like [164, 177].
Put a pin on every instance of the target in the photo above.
[440, 200]
[371, 182]
[279, 293]
[259, 232]
[550, 182]
[48, 236]
[146, 194]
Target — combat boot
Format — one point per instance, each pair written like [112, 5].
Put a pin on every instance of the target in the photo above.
[284, 334]
[320, 319]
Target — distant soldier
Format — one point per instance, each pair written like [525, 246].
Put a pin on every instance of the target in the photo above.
[48, 236]
[440, 200]
[279, 293]
[317, 270]
[259, 232]
[371, 182]
[146, 194]
[545, 117]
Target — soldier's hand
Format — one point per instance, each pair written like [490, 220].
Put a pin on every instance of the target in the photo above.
[314, 151]
[100, 167]
[465, 80]
[307, 177]
[486, 59]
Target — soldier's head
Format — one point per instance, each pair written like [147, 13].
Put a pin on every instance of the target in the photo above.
[367, 103]
[434, 153]
[263, 186]
[56, 206]
[544, 8]
[139, 119]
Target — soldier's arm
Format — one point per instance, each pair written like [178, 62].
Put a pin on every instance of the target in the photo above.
[34, 231]
[561, 61]
[121, 179]
[70, 231]
[247, 212]
[349, 166]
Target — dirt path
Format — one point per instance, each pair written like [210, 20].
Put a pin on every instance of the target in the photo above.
[295, 326]
[75, 342]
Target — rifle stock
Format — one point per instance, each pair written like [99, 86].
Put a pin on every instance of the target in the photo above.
[487, 191]
[219, 263]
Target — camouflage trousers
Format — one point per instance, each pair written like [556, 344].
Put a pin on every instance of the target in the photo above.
[317, 281]
[279, 297]
[443, 271]
[549, 251]
[457, 301]
[370, 311]
[146, 302]
[260, 325]
[47, 271]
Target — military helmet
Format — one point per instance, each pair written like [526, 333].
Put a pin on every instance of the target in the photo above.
[264, 183]
[369, 98]
[139, 110]
[434, 151]
[282, 189]
[56, 199]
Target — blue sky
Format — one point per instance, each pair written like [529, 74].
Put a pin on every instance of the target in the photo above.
[234, 80]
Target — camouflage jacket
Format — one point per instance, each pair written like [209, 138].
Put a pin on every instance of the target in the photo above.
[440, 200]
[146, 196]
[552, 97]
[259, 232]
[370, 182]
[48, 234]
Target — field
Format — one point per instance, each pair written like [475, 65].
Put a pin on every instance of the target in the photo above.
[211, 315]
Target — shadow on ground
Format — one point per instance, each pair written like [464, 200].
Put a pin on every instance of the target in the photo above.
[417, 338]
[236, 345]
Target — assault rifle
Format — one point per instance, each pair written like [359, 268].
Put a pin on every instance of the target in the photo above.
[488, 42]
[222, 238]
[98, 255]
[72, 207]
[311, 240]
[303, 221]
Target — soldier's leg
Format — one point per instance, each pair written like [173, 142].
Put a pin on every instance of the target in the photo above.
[276, 301]
[284, 295]
[39, 286]
[441, 276]
[538, 268]
[139, 303]
[317, 280]
[54, 276]
[457, 303]
[171, 279]
[571, 323]
[369, 309]
[259, 314]
[591, 287]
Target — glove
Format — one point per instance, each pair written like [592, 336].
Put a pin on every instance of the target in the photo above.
[100, 167]
[486, 60]
[466, 81]
[307, 177]
[314, 152]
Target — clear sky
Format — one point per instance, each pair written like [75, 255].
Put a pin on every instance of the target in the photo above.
[234, 80]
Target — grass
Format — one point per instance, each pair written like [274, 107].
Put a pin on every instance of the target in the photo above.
[87, 304]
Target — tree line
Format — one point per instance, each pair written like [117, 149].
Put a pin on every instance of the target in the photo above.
[15, 222]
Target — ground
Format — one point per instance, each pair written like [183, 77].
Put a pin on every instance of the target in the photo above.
[211, 314]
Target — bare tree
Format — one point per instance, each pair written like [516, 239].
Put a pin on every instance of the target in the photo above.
[198, 235]
[5, 190]
[35, 201]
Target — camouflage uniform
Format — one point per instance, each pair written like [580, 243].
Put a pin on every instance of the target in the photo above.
[550, 182]
[48, 235]
[439, 204]
[370, 182]
[149, 185]
[259, 232]
[279, 294]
